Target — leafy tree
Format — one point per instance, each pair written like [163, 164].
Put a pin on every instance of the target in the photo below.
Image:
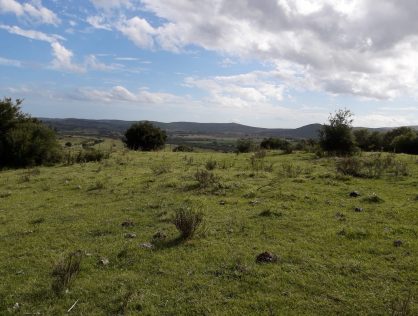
[337, 137]
[391, 135]
[25, 141]
[245, 145]
[144, 136]
[406, 143]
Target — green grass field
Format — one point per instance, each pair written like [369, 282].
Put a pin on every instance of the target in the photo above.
[332, 259]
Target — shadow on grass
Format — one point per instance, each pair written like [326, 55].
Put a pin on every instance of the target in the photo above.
[160, 245]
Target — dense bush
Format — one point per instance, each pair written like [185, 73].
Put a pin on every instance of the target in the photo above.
[144, 136]
[275, 143]
[336, 137]
[25, 141]
[245, 145]
[368, 141]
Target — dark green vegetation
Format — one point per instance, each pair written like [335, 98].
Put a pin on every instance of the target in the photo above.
[101, 235]
[144, 136]
[25, 141]
[336, 137]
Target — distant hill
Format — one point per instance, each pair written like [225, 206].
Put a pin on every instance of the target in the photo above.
[116, 128]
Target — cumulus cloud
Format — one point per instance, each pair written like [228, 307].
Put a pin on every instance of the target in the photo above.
[139, 31]
[63, 59]
[366, 48]
[240, 91]
[33, 11]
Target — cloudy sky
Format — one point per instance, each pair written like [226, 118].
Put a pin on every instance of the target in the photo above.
[268, 63]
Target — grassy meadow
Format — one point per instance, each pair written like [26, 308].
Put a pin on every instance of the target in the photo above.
[332, 259]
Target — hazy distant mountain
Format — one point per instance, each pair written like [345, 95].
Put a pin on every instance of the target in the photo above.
[116, 128]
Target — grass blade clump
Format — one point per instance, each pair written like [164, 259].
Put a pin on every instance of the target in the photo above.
[65, 271]
[187, 222]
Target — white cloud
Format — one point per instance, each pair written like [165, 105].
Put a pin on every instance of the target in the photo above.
[366, 48]
[33, 11]
[63, 59]
[254, 89]
[139, 31]
[10, 62]
[110, 4]
[98, 22]
[122, 94]
[32, 34]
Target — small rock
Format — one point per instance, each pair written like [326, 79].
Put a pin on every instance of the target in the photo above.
[354, 194]
[222, 202]
[398, 243]
[266, 257]
[130, 235]
[146, 245]
[358, 209]
[104, 261]
[253, 203]
[127, 223]
[16, 306]
[78, 187]
[158, 236]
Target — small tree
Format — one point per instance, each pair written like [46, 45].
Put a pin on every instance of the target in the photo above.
[336, 137]
[144, 136]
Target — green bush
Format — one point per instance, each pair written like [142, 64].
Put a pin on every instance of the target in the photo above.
[144, 136]
[245, 145]
[25, 141]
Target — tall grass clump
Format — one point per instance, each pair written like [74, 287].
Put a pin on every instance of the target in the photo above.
[65, 271]
[205, 178]
[86, 155]
[372, 166]
[187, 222]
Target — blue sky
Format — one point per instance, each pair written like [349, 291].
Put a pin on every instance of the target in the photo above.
[257, 62]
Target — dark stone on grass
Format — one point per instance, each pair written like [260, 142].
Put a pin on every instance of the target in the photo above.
[354, 194]
[146, 245]
[359, 209]
[398, 243]
[266, 257]
[127, 223]
[159, 236]
[222, 202]
[130, 235]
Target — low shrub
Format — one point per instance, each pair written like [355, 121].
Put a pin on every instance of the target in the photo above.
[86, 155]
[205, 178]
[187, 221]
[183, 148]
[211, 164]
[65, 271]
